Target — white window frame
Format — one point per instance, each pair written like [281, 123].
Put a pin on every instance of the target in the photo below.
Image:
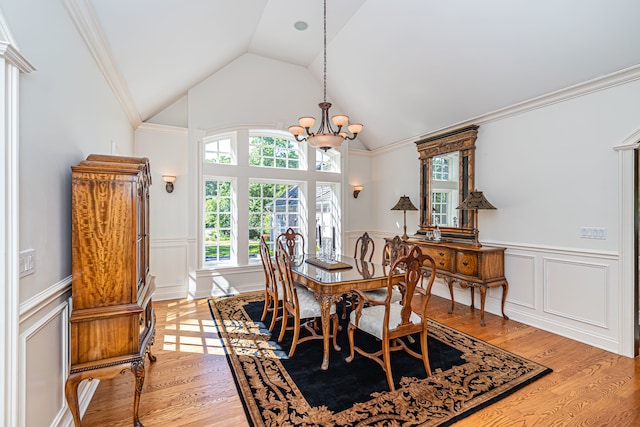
[333, 155]
[232, 136]
[233, 254]
[302, 209]
[302, 158]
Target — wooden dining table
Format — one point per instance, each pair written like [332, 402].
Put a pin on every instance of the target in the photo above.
[329, 282]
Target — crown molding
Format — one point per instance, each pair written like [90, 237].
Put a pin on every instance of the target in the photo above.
[617, 78]
[165, 129]
[84, 18]
[360, 152]
[15, 58]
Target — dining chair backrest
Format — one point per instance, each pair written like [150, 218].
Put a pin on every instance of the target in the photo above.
[393, 249]
[365, 247]
[269, 273]
[293, 241]
[413, 265]
[283, 264]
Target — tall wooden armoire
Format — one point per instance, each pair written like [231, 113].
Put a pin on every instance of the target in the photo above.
[112, 318]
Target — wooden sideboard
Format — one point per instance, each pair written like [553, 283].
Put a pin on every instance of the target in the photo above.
[469, 267]
[112, 319]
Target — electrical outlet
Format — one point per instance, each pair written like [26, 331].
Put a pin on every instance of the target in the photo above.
[593, 233]
[27, 262]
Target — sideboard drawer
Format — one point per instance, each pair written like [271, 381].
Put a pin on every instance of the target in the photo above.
[467, 263]
[441, 256]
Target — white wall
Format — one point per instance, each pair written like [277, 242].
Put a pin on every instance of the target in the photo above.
[166, 148]
[177, 114]
[549, 170]
[359, 210]
[257, 90]
[395, 172]
[67, 111]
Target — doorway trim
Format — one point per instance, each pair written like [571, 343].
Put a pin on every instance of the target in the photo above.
[627, 249]
[12, 64]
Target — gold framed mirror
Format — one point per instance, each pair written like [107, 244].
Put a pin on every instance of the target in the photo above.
[446, 178]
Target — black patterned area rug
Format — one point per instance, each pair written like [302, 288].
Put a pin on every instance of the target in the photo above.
[468, 375]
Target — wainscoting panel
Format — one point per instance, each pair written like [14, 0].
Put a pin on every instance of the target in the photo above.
[169, 263]
[42, 369]
[566, 291]
[520, 273]
[576, 290]
[228, 281]
[43, 358]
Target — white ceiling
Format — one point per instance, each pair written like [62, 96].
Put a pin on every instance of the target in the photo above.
[401, 67]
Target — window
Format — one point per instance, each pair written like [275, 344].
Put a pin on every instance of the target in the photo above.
[328, 214]
[218, 220]
[440, 169]
[219, 149]
[274, 152]
[262, 182]
[328, 161]
[273, 208]
[440, 205]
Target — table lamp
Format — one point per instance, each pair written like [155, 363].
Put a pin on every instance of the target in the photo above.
[475, 201]
[404, 204]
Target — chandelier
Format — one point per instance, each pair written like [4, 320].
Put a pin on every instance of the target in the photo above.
[325, 137]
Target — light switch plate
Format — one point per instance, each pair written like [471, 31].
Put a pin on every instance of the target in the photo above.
[27, 262]
[593, 233]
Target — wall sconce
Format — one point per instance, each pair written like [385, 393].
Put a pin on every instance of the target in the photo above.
[356, 190]
[169, 179]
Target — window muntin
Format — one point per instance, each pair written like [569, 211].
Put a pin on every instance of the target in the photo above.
[273, 208]
[218, 219]
[328, 161]
[272, 151]
[440, 169]
[220, 149]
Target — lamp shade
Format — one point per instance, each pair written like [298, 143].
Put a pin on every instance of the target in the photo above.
[475, 200]
[404, 204]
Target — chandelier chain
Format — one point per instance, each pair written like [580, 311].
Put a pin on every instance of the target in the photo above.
[325, 50]
[325, 137]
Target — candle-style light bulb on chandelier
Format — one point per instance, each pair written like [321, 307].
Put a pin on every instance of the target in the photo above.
[325, 137]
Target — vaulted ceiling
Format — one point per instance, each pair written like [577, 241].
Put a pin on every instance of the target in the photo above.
[401, 67]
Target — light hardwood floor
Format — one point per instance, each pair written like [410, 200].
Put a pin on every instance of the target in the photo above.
[191, 384]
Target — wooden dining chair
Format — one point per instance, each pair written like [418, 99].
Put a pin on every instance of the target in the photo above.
[388, 322]
[365, 247]
[273, 292]
[392, 250]
[293, 242]
[299, 304]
